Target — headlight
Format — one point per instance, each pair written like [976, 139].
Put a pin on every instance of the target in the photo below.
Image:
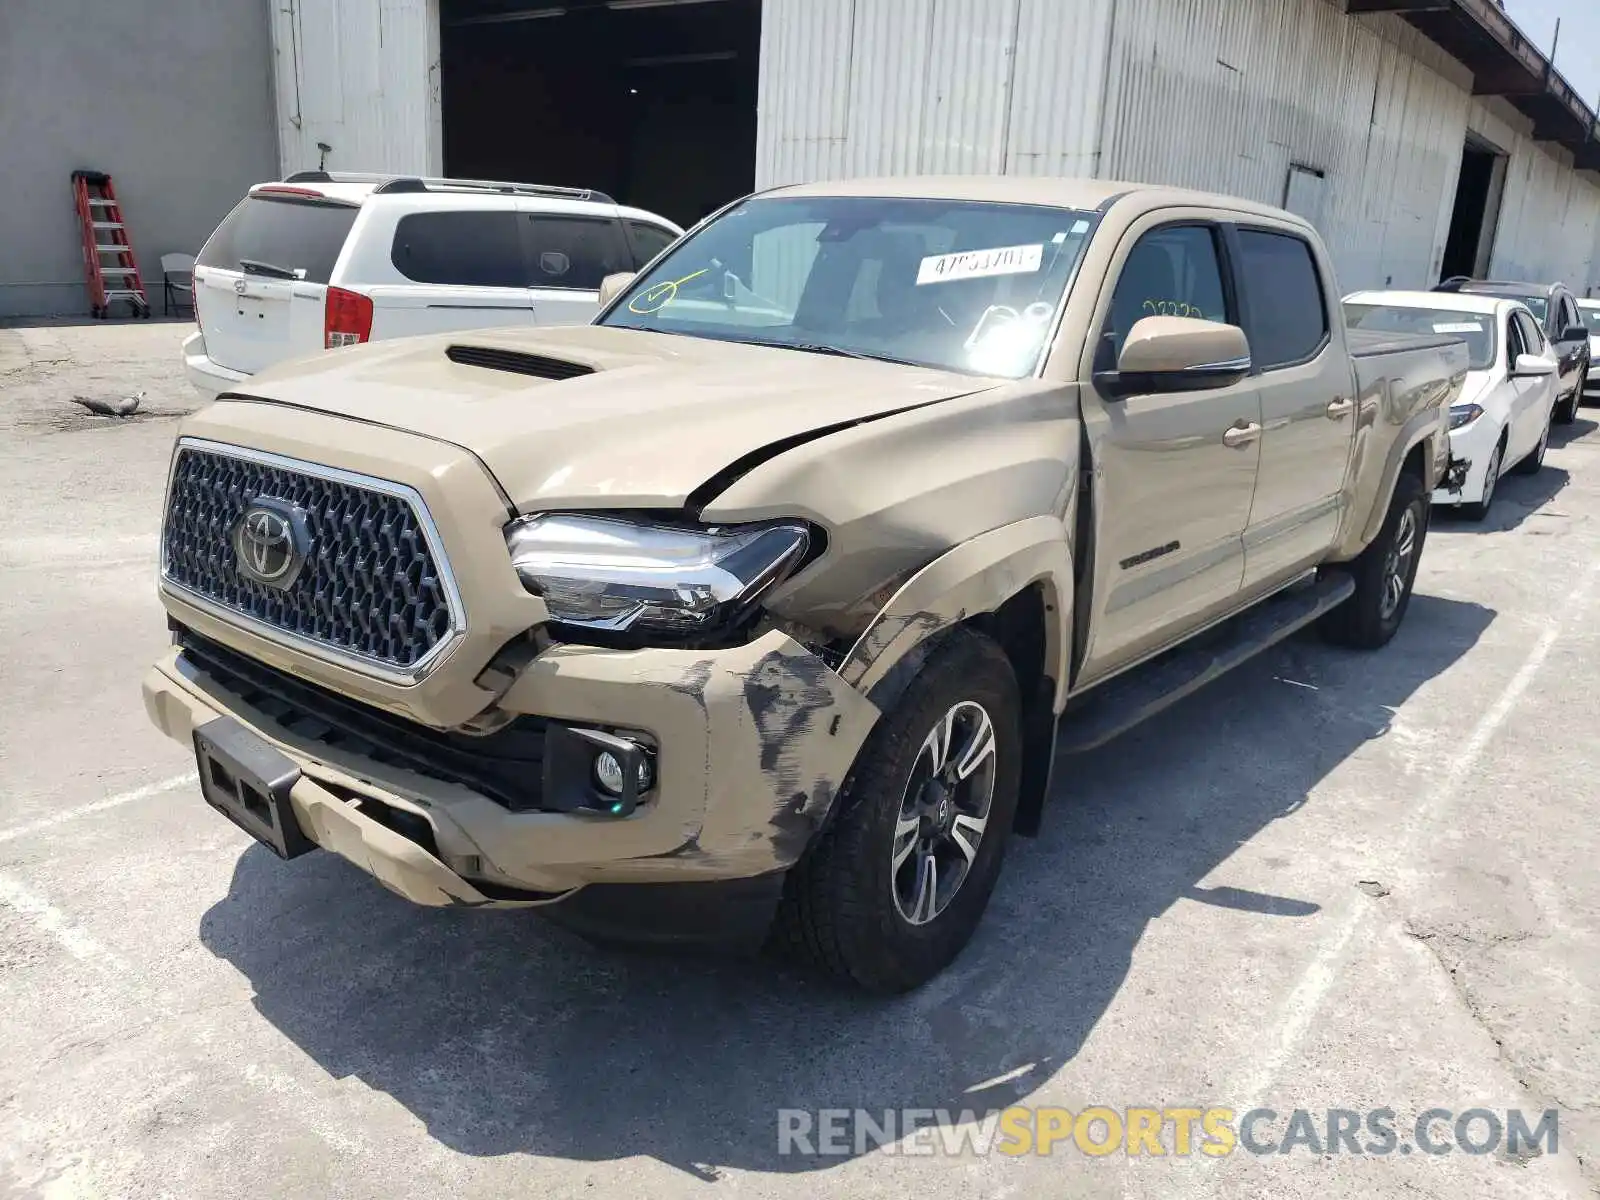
[616, 574]
[1464, 414]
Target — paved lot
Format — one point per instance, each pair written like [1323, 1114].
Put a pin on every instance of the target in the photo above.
[1332, 881]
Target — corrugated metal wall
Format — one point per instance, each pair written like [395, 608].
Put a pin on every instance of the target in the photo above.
[361, 76]
[1227, 94]
[1550, 215]
[1217, 94]
[886, 87]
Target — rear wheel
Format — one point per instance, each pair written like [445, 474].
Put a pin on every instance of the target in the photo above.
[895, 886]
[1384, 573]
[1535, 460]
[1568, 412]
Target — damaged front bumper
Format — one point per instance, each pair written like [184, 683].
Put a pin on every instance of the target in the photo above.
[1455, 476]
[750, 746]
[1471, 447]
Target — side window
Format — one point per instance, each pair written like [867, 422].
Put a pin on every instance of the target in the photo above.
[1288, 323]
[1532, 339]
[1569, 314]
[1517, 340]
[648, 241]
[573, 252]
[1174, 271]
[466, 248]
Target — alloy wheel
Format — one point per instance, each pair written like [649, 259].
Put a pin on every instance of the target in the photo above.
[1491, 477]
[1397, 567]
[944, 813]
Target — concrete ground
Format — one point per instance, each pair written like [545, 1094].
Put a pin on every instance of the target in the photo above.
[1332, 881]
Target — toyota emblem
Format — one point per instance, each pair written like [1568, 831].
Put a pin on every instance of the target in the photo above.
[270, 542]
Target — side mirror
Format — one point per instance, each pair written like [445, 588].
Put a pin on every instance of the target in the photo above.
[613, 286]
[1575, 333]
[1530, 365]
[1177, 354]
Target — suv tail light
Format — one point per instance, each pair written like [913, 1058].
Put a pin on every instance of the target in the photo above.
[346, 318]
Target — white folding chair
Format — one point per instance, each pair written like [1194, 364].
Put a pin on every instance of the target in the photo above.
[177, 281]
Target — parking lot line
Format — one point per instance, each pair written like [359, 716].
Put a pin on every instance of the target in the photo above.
[1321, 972]
[86, 810]
[51, 920]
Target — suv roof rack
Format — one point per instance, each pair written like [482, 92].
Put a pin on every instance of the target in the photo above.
[390, 184]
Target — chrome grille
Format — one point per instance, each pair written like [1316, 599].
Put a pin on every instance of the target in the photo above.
[371, 587]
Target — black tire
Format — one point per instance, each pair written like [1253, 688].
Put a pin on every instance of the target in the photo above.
[1533, 462]
[1479, 510]
[1567, 413]
[839, 910]
[1366, 621]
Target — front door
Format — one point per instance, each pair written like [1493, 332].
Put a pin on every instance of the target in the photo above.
[1532, 395]
[1307, 404]
[455, 268]
[567, 257]
[1172, 484]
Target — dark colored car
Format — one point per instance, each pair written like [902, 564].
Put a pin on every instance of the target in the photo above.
[1557, 310]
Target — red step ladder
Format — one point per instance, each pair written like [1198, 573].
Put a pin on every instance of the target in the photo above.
[105, 237]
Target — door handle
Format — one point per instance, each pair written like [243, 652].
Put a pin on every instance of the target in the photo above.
[1241, 435]
[1340, 408]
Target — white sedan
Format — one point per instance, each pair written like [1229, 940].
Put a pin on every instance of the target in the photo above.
[1502, 418]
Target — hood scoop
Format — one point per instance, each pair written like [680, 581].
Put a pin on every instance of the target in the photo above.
[516, 362]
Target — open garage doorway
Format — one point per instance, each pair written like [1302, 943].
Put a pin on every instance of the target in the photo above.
[651, 101]
[1470, 243]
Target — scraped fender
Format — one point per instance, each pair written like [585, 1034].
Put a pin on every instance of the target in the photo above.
[975, 577]
[1375, 480]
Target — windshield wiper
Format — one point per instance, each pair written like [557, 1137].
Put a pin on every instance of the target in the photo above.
[252, 266]
[837, 352]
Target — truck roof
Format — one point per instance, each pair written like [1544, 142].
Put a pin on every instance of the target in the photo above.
[1054, 191]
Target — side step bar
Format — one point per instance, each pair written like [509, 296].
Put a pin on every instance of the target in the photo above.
[1121, 703]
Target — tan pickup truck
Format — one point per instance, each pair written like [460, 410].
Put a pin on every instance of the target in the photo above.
[762, 606]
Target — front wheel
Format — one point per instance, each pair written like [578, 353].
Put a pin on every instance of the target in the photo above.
[1384, 573]
[896, 884]
[1491, 478]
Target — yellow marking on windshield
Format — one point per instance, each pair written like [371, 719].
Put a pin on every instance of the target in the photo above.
[659, 295]
[1172, 308]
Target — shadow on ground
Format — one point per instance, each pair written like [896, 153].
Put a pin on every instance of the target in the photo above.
[1561, 435]
[502, 1034]
[1517, 498]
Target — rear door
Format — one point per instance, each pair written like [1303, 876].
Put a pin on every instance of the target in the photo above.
[1570, 350]
[567, 255]
[261, 277]
[1308, 411]
[453, 268]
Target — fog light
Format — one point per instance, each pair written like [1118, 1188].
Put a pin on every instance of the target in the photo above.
[608, 773]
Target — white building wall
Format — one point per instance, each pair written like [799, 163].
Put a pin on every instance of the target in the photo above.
[1217, 94]
[1226, 94]
[894, 87]
[361, 76]
[1549, 224]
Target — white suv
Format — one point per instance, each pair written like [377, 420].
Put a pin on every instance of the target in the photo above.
[328, 259]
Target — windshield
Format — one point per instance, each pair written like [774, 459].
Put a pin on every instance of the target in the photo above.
[958, 285]
[1477, 330]
[1591, 316]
